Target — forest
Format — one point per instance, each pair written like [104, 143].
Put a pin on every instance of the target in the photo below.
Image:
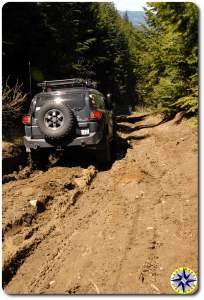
[154, 65]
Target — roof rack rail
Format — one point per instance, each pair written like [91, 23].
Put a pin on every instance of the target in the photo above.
[73, 82]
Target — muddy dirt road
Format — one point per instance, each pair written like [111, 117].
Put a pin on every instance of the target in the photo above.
[74, 229]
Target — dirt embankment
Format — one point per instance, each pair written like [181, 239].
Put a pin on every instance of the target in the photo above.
[76, 230]
[13, 156]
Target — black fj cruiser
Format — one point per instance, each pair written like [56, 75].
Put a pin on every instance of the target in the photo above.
[66, 113]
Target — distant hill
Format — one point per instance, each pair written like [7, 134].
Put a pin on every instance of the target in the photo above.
[136, 17]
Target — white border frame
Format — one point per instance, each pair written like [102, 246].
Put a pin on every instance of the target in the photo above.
[200, 293]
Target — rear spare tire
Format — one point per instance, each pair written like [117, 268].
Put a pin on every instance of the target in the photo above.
[56, 120]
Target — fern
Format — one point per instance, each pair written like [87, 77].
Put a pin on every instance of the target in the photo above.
[188, 104]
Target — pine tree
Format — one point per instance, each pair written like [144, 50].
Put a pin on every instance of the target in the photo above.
[171, 57]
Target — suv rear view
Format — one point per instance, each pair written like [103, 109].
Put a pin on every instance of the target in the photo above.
[68, 113]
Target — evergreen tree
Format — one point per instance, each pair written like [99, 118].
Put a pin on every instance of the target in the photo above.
[170, 57]
[155, 65]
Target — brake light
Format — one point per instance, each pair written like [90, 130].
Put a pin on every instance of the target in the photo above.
[26, 119]
[95, 115]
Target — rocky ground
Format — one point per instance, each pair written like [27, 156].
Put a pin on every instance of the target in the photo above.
[75, 229]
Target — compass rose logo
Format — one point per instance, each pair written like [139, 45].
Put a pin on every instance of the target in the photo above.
[183, 280]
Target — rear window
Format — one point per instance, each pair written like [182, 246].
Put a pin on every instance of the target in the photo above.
[73, 99]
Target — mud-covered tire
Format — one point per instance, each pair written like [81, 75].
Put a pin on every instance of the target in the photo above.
[38, 159]
[56, 121]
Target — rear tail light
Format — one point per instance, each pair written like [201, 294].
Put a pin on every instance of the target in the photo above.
[26, 119]
[95, 115]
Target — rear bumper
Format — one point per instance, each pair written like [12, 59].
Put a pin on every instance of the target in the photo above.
[83, 141]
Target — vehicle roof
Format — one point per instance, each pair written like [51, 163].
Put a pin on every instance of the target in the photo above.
[68, 91]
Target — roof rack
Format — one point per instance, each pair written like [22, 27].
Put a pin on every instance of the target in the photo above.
[74, 82]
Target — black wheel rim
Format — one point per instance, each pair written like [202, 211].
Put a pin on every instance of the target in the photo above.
[54, 119]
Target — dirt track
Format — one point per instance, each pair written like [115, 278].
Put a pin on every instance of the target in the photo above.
[124, 230]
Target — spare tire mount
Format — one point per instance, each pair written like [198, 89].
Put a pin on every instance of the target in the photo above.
[56, 120]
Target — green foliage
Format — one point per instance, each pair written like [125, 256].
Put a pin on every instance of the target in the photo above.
[153, 66]
[189, 103]
[169, 58]
[68, 39]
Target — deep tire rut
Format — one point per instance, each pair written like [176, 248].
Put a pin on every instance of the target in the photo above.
[33, 228]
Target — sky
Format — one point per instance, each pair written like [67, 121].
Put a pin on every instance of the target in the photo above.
[133, 5]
